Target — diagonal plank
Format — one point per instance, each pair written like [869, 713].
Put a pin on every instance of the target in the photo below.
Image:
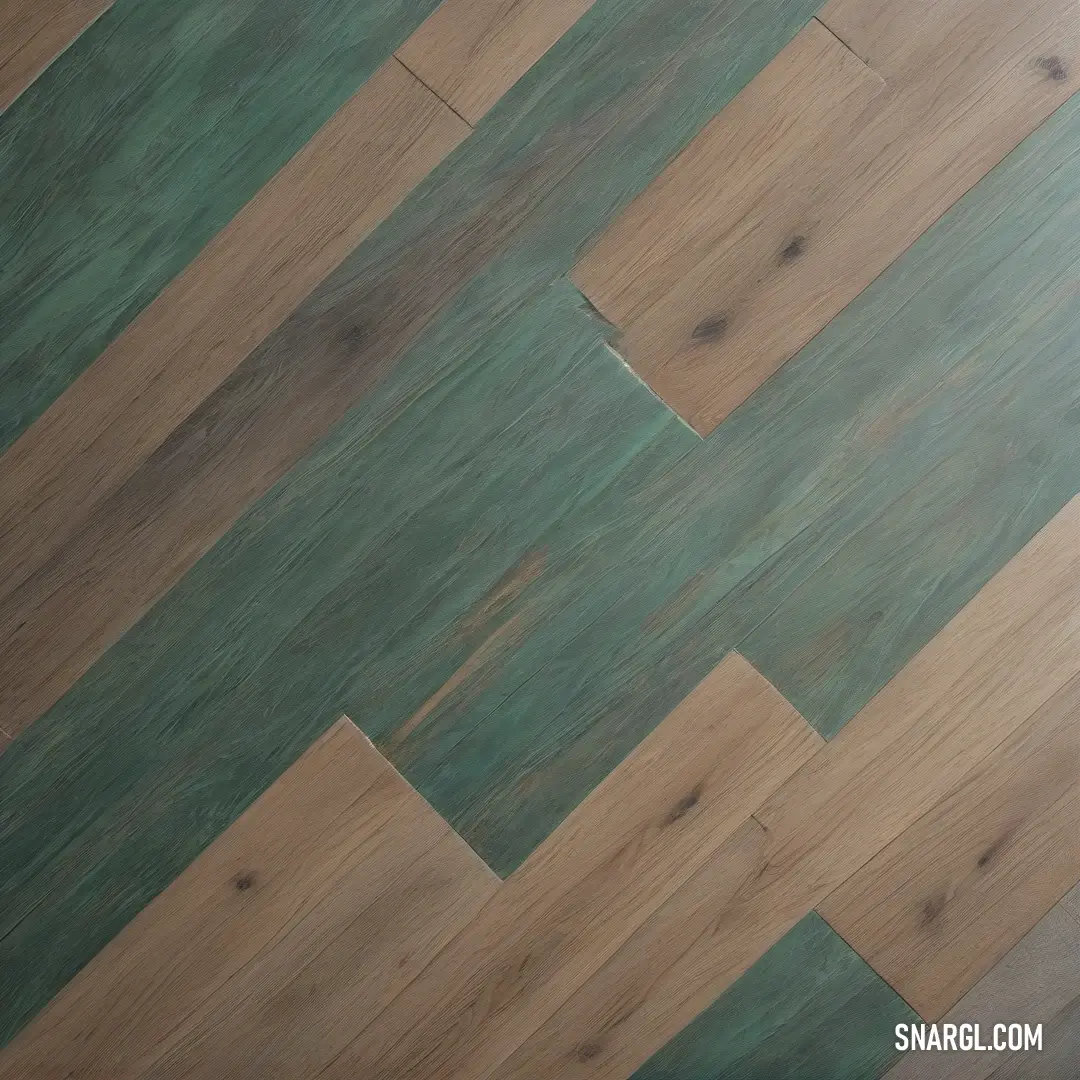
[470, 52]
[33, 33]
[710, 306]
[967, 690]
[938, 907]
[227, 719]
[139, 144]
[585, 892]
[809, 1009]
[730, 214]
[495, 224]
[351, 175]
[1037, 981]
[328, 895]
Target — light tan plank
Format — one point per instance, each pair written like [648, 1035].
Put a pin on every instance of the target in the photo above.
[937, 908]
[734, 210]
[339, 861]
[1010, 648]
[645, 831]
[1037, 981]
[291, 1011]
[653, 986]
[349, 177]
[33, 33]
[470, 52]
[805, 231]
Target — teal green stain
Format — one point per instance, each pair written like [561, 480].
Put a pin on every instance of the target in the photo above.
[138, 144]
[809, 1009]
[366, 578]
[361, 581]
[340, 581]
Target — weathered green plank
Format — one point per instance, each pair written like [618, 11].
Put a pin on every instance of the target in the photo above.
[388, 559]
[139, 143]
[426, 538]
[880, 478]
[809, 1009]
[376, 562]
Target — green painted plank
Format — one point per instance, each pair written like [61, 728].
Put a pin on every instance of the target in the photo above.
[387, 558]
[139, 143]
[810, 1009]
[376, 570]
[880, 478]
[179, 727]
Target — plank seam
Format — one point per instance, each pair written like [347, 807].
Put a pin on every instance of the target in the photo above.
[827, 27]
[426, 86]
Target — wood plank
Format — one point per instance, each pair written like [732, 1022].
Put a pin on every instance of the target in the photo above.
[943, 714]
[643, 833]
[939, 906]
[503, 238]
[1037, 981]
[1071, 901]
[470, 53]
[651, 987]
[32, 34]
[593, 600]
[332, 194]
[191, 751]
[733, 210]
[743, 294]
[810, 1007]
[139, 144]
[970, 688]
[622, 1020]
[329, 893]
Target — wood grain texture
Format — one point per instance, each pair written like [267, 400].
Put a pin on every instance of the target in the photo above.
[32, 34]
[938, 907]
[320, 903]
[556, 922]
[947, 710]
[139, 144]
[609, 575]
[527, 604]
[1037, 981]
[710, 311]
[68, 465]
[970, 688]
[651, 987]
[810, 1007]
[174, 755]
[484, 220]
[471, 53]
[728, 215]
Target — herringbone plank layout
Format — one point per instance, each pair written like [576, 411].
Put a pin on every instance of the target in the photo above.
[654, 422]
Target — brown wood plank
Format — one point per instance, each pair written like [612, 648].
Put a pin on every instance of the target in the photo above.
[1038, 981]
[937, 908]
[1012, 646]
[645, 831]
[653, 986]
[803, 231]
[730, 213]
[327, 895]
[33, 33]
[66, 466]
[470, 52]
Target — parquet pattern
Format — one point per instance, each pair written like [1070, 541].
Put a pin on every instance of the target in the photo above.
[654, 422]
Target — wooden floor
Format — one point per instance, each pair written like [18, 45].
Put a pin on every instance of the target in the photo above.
[654, 423]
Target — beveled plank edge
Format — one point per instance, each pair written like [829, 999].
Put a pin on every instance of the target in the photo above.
[345, 722]
[16, 77]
